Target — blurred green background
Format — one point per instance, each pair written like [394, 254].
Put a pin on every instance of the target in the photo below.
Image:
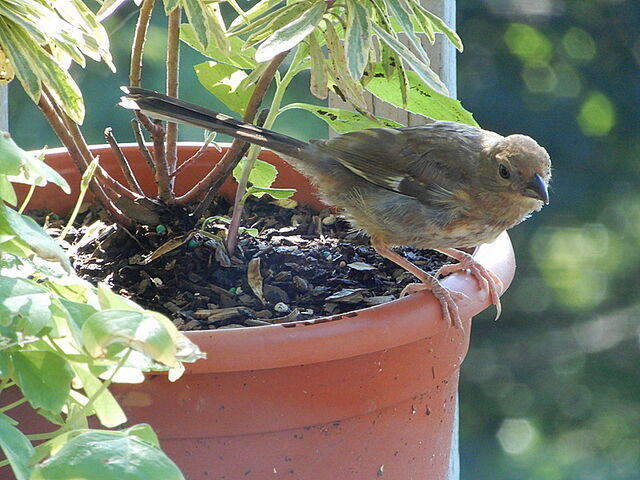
[552, 390]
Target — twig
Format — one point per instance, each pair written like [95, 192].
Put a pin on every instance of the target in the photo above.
[155, 129]
[139, 37]
[240, 198]
[172, 64]
[105, 178]
[229, 160]
[137, 132]
[57, 123]
[122, 160]
[238, 204]
[201, 151]
[161, 169]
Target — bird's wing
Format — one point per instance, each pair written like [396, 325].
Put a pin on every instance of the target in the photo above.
[428, 161]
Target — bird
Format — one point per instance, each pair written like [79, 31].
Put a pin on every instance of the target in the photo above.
[443, 185]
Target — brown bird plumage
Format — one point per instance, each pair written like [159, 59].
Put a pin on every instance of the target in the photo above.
[442, 186]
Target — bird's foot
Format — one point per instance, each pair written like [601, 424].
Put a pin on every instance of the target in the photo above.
[487, 280]
[446, 297]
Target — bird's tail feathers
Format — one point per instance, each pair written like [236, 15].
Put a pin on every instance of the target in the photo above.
[165, 107]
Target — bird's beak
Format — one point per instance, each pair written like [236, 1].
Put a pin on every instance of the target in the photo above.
[537, 188]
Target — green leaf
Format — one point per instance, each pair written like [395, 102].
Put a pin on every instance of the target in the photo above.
[36, 172]
[16, 448]
[425, 25]
[108, 455]
[254, 12]
[267, 24]
[422, 100]
[290, 35]
[24, 167]
[237, 57]
[344, 121]
[33, 235]
[277, 193]
[109, 299]
[225, 82]
[5, 362]
[77, 312]
[22, 298]
[44, 378]
[406, 26]
[351, 90]
[11, 155]
[145, 433]
[422, 70]
[7, 193]
[357, 42]
[262, 175]
[25, 74]
[140, 331]
[439, 25]
[319, 81]
[217, 29]
[107, 8]
[197, 15]
[169, 5]
[253, 232]
[32, 61]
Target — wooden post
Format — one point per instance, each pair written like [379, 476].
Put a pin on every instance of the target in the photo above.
[4, 108]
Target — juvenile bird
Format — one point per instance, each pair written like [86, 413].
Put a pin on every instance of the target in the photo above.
[442, 186]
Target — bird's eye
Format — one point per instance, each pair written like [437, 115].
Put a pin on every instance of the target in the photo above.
[504, 171]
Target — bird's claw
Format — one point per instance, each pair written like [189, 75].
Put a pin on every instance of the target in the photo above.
[487, 280]
[446, 297]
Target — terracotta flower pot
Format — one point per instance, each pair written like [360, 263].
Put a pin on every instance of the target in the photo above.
[356, 396]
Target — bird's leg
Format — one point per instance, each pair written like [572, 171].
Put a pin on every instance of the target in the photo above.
[487, 280]
[446, 297]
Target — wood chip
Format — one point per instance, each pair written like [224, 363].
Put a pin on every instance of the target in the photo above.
[361, 266]
[167, 247]
[379, 300]
[347, 295]
[254, 278]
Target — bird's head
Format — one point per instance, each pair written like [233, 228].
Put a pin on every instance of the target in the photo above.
[519, 169]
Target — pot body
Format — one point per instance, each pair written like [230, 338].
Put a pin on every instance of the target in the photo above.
[388, 412]
[366, 395]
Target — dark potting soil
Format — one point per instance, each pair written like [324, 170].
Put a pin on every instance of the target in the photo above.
[302, 265]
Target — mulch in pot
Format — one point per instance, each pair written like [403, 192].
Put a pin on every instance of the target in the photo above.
[301, 265]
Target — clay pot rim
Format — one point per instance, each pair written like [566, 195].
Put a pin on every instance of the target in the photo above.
[368, 330]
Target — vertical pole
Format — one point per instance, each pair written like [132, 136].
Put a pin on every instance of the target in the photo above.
[4, 108]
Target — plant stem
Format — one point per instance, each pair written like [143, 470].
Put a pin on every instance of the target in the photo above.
[137, 132]
[139, 37]
[6, 408]
[156, 131]
[6, 383]
[238, 204]
[84, 185]
[122, 160]
[173, 64]
[87, 406]
[105, 384]
[27, 198]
